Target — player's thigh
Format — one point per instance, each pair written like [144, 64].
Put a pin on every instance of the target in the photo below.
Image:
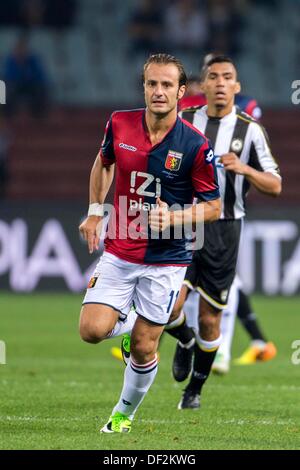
[144, 340]
[157, 292]
[112, 284]
[97, 320]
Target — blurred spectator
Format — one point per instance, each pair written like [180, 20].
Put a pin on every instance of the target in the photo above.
[60, 13]
[32, 12]
[186, 26]
[4, 148]
[26, 80]
[226, 20]
[145, 29]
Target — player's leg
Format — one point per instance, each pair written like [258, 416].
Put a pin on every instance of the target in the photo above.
[260, 348]
[221, 364]
[155, 297]
[106, 306]
[179, 329]
[139, 375]
[217, 264]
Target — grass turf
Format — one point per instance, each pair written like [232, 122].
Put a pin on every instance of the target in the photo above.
[57, 391]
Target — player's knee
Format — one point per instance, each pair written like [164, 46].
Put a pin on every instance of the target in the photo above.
[210, 326]
[91, 333]
[142, 351]
[87, 335]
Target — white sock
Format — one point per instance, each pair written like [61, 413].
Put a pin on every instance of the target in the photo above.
[228, 322]
[138, 378]
[124, 326]
[191, 310]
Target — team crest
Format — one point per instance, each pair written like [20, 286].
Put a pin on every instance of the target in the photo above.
[173, 160]
[92, 282]
[237, 145]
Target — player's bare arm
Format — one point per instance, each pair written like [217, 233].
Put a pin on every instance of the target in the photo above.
[161, 218]
[100, 181]
[263, 181]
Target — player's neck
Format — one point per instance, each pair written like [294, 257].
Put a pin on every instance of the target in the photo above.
[159, 126]
[215, 111]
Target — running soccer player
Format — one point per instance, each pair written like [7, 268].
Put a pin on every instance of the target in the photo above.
[243, 157]
[260, 348]
[160, 161]
[196, 97]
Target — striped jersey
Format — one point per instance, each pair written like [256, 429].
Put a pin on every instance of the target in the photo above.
[177, 169]
[239, 133]
[246, 103]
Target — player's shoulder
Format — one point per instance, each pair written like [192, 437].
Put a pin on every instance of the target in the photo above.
[191, 133]
[192, 101]
[244, 116]
[255, 127]
[127, 114]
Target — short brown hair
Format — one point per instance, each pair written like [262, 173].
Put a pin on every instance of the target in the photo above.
[166, 59]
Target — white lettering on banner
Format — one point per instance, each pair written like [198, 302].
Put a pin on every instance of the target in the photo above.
[52, 256]
[291, 273]
[271, 234]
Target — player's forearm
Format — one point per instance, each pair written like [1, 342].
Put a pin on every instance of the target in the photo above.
[264, 182]
[202, 212]
[100, 181]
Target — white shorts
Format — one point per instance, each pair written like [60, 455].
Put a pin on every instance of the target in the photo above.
[153, 290]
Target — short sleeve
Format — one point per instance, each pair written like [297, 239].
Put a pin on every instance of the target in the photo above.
[107, 153]
[261, 157]
[204, 174]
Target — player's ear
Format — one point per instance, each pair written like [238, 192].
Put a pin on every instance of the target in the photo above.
[237, 87]
[181, 92]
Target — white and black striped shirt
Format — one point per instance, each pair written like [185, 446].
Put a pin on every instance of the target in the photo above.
[239, 133]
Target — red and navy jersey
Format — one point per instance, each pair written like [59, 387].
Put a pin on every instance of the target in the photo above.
[245, 103]
[177, 169]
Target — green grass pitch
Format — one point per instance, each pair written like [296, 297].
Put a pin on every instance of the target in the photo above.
[56, 391]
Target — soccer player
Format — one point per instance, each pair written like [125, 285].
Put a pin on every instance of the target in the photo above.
[260, 349]
[160, 161]
[196, 97]
[243, 157]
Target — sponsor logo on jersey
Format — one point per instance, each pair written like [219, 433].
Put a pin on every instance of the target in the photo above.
[209, 155]
[127, 147]
[237, 145]
[92, 282]
[173, 160]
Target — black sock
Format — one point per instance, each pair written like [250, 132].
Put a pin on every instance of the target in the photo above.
[203, 361]
[181, 332]
[248, 318]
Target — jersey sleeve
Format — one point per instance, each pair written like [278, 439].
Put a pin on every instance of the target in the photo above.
[107, 153]
[204, 174]
[261, 157]
[253, 110]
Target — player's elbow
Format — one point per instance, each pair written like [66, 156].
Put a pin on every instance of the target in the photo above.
[276, 188]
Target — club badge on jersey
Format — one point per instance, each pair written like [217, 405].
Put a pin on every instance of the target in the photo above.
[173, 160]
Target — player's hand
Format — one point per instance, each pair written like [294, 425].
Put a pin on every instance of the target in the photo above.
[159, 218]
[232, 162]
[90, 229]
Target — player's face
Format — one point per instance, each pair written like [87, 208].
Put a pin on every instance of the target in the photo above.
[221, 85]
[161, 87]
